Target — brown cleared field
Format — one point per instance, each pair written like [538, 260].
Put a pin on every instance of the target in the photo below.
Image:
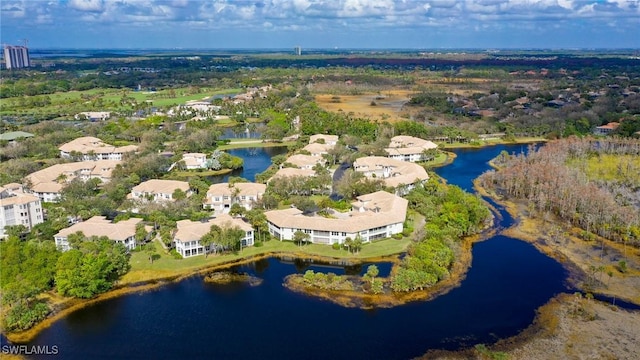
[389, 104]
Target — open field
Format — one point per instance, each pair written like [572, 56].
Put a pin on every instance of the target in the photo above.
[389, 104]
[609, 167]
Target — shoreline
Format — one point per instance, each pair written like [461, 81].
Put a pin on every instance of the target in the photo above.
[572, 253]
[70, 305]
[362, 300]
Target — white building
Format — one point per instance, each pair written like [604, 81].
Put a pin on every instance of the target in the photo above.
[221, 196]
[48, 182]
[304, 161]
[91, 148]
[194, 161]
[16, 57]
[122, 232]
[409, 148]
[93, 115]
[317, 149]
[158, 191]
[401, 175]
[374, 216]
[188, 235]
[18, 208]
[328, 139]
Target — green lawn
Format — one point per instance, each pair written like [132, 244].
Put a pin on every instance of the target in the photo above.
[439, 160]
[72, 102]
[166, 266]
[480, 143]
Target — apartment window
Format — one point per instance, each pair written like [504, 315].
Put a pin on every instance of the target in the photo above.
[307, 231]
[243, 197]
[344, 234]
[335, 233]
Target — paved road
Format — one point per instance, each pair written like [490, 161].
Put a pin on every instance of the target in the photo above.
[337, 175]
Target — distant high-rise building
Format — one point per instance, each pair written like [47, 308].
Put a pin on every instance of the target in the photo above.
[297, 50]
[16, 57]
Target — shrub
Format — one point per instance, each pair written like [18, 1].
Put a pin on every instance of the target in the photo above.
[174, 253]
[622, 266]
[258, 244]
[336, 246]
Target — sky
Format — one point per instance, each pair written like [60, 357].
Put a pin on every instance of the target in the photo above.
[343, 24]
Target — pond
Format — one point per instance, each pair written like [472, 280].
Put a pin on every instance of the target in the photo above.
[256, 160]
[508, 280]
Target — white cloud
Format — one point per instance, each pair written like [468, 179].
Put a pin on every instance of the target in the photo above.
[86, 5]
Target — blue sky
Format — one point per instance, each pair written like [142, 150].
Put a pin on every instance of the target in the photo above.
[321, 23]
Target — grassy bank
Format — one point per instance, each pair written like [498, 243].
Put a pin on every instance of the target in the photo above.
[252, 143]
[166, 266]
[490, 142]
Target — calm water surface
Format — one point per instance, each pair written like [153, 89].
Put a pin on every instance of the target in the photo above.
[508, 280]
[256, 160]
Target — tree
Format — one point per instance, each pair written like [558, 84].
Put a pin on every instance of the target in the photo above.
[141, 233]
[357, 243]
[92, 269]
[151, 251]
[375, 284]
[213, 237]
[232, 237]
[300, 237]
[76, 239]
[258, 221]
[237, 210]
[178, 195]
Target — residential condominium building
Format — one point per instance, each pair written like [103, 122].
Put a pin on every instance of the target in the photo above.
[157, 190]
[18, 208]
[400, 175]
[304, 161]
[122, 232]
[221, 196]
[409, 148]
[91, 148]
[328, 139]
[373, 216]
[188, 234]
[47, 183]
[16, 57]
[194, 161]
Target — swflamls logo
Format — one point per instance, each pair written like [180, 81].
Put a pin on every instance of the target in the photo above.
[29, 350]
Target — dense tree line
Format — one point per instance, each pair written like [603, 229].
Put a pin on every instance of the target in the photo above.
[32, 267]
[551, 186]
[450, 213]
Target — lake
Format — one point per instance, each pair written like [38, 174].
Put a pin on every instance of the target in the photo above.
[256, 160]
[508, 280]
